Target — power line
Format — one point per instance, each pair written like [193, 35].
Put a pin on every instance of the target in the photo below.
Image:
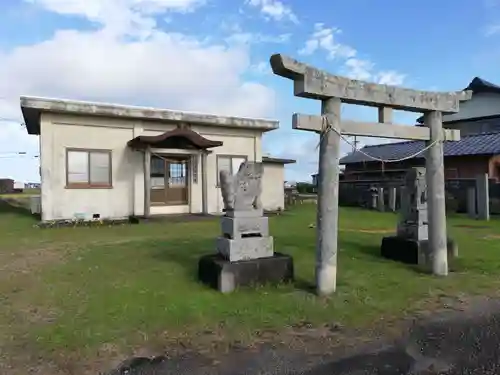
[6, 119]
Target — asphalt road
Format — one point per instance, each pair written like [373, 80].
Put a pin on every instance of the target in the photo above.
[455, 343]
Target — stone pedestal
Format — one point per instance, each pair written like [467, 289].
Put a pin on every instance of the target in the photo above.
[235, 250]
[226, 276]
[244, 227]
[244, 237]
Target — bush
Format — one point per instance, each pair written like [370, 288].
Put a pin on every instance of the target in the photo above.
[305, 188]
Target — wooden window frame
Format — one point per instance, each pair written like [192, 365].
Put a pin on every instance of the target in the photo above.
[231, 164]
[89, 185]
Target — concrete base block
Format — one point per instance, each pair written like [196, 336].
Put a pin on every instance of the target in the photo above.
[238, 227]
[245, 248]
[226, 276]
[414, 252]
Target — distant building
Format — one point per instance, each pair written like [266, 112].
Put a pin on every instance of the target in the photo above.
[477, 152]
[315, 177]
[6, 185]
[18, 185]
[32, 185]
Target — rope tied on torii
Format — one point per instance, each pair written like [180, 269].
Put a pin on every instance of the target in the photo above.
[332, 90]
[326, 127]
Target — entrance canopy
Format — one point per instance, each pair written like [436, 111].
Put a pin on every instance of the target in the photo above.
[180, 138]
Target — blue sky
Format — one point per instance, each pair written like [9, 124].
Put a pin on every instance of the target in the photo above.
[212, 56]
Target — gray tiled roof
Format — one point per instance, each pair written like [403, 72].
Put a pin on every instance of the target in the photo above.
[476, 144]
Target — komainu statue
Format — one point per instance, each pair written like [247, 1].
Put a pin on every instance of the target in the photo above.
[241, 192]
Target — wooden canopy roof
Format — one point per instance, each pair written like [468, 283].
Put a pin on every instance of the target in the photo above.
[181, 137]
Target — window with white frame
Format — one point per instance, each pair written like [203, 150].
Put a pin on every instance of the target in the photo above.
[88, 168]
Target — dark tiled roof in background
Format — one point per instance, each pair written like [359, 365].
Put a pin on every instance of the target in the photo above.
[481, 85]
[477, 85]
[477, 144]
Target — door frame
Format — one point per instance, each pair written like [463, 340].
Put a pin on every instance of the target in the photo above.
[187, 158]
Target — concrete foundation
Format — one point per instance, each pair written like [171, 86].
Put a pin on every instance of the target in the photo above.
[416, 252]
[226, 276]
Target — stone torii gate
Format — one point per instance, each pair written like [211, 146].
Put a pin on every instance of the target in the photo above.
[333, 90]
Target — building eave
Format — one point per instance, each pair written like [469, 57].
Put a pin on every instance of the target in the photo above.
[272, 160]
[32, 108]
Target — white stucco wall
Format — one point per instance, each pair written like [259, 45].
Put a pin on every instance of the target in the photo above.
[58, 133]
[273, 192]
[126, 197]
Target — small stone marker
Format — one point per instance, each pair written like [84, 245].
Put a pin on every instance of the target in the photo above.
[374, 198]
[471, 202]
[483, 197]
[380, 199]
[245, 254]
[392, 194]
[411, 243]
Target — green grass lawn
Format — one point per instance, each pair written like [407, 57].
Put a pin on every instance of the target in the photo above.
[75, 289]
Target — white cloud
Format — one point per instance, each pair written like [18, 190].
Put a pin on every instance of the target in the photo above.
[129, 17]
[359, 69]
[325, 39]
[390, 77]
[492, 30]
[250, 38]
[274, 9]
[364, 70]
[167, 70]
[261, 67]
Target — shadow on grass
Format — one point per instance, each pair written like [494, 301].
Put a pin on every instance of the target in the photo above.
[187, 253]
[184, 253]
[304, 285]
[372, 252]
[16, 207]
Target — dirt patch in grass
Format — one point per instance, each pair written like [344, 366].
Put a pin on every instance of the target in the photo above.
[492, 237]
[28, 261]
[471, 226]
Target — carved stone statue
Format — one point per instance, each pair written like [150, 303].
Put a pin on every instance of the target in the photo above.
[242, 191]
[245, 250]
[411, 244]
[413, 222]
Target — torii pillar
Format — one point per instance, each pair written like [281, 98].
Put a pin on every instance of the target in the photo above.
[333, 90]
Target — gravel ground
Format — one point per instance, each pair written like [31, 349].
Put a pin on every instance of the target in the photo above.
[453, 342]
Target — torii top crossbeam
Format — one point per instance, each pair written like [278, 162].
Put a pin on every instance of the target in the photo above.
[313, 83]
